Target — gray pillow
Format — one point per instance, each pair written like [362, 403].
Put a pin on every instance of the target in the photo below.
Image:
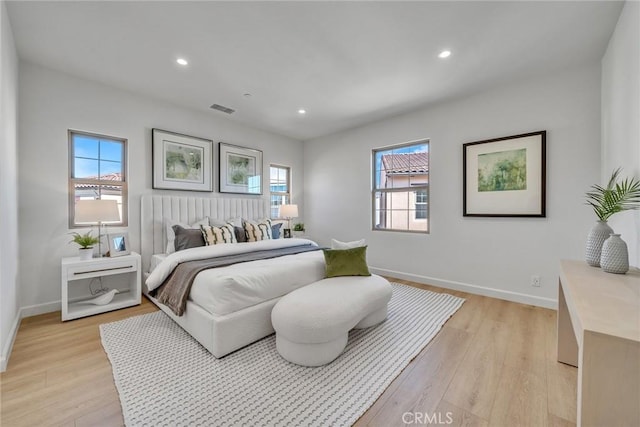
[241, 235]
[187, 238]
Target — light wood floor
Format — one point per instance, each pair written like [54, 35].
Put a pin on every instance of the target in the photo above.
[493, 364]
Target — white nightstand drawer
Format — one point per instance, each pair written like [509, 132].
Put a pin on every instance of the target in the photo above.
[84, 271]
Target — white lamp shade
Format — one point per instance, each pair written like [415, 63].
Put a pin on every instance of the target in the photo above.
[97, 211]
[289, 211]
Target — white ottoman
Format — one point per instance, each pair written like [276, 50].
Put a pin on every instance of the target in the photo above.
[312, 323]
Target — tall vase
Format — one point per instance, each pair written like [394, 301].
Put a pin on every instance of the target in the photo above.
[615, 256]
[598, 234]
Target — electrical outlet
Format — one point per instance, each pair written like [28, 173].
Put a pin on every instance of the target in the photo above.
[535, 281]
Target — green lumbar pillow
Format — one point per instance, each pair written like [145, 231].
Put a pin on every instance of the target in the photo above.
[346, 262]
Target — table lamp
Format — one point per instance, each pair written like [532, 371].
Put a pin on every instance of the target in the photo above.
[97, 211]
[288, 212]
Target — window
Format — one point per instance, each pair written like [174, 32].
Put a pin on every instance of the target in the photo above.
[280, 188]
[400, 195]
[421, 204]
[97, 170]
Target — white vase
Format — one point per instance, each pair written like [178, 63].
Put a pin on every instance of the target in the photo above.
[615, 256]
[598, 234]
[85, 253]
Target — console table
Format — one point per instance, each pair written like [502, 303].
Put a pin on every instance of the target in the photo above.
[599, 332]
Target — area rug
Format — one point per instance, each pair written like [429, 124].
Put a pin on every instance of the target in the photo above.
[165, 377]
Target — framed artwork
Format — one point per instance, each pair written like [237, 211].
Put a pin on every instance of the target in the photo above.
[181, 162]
[118, 244]
[287, 233]
[240, 169]
[505, 176]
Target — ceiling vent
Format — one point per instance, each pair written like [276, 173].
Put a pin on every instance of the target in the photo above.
[223, 108]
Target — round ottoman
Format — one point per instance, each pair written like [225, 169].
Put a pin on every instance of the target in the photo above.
[312, 323]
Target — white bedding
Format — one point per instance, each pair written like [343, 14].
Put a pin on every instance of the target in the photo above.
[156, 260]
[224, 290]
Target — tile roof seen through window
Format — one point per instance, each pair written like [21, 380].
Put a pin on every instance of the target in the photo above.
[406, 163]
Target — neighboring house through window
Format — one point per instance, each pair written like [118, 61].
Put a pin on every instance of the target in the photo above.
[400, 195]
[421, 204]
[280, 188]
[97, 170]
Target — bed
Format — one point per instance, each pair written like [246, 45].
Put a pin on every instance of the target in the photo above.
[238, 317]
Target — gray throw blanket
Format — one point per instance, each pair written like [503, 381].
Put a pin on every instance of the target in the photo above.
[174, 291]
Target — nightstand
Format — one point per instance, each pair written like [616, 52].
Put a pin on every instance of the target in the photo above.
[80, 278]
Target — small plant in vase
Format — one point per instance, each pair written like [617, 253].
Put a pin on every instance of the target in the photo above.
[298, 228]
[86, 242]
[616, 197]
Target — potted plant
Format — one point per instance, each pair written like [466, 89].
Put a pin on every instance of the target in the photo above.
[298, 228]
[86, 242]
[616, 197]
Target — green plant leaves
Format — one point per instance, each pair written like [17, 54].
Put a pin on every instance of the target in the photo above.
[615, 197]
[84, 240]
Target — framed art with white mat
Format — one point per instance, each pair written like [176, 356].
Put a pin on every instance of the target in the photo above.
[505, 177]
[240, 169]
[118, 244]
[181, 162]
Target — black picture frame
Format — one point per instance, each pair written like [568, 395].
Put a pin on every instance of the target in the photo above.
[505, 177]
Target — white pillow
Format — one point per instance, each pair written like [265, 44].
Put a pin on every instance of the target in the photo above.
[171, 235]
[213, 235]
[236, 222]
[337, 244]
[214, 222]
[257, 231]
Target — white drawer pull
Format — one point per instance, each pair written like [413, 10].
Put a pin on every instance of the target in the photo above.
[102, 269]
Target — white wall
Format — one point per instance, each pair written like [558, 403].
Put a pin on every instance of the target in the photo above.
[621, 116]
[51, 103]
[8, 187]
[485, 255]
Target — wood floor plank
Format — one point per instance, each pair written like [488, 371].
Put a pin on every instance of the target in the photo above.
[527, 340]
[520, 400]
[470, 315]
[562, 390]
[106, 416]
[450, 414]
[24, 384]
[475, 384]
[555, 421]
[423, 390]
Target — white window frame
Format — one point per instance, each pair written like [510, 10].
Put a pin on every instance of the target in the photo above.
[424, 206]
[285, 194]
[73, 181]
[410, 188]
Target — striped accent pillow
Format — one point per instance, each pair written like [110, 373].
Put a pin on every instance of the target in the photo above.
[257, 231]
[213, 235]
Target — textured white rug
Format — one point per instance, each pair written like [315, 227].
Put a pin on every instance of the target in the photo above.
[164, 377]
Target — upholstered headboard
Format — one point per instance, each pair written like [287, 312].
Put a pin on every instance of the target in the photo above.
[157, 209]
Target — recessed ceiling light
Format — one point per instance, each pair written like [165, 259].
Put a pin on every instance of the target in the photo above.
[247, 95]
[182, 61]
[444, 54]
[302, 111]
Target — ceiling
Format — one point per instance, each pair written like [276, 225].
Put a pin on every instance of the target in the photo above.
[346, 63]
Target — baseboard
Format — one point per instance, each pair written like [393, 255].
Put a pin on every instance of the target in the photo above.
[34, 310]
[8, 345]
[472, 289]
